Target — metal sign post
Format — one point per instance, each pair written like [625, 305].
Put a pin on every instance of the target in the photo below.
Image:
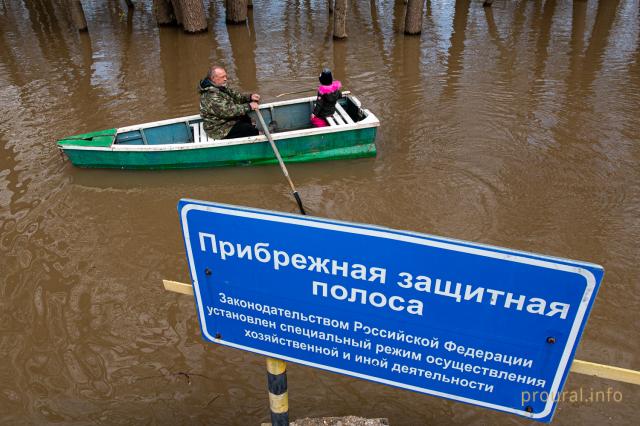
[278, 395]
[483, 325]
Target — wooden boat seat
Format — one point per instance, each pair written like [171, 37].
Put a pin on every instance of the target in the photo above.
[199, 135]
[340, 118]
[343, 114]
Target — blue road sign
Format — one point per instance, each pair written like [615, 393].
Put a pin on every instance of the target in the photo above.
[483, 325]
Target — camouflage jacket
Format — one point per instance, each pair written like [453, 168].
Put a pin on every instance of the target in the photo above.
[220, 108]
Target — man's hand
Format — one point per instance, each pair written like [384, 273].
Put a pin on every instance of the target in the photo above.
[253, 106]
[255, 97]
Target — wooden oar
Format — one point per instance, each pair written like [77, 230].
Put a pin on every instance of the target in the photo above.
[295, 93]
[282, 166]
[346, 92]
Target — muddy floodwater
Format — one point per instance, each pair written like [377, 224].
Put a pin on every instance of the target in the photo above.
[515, 126]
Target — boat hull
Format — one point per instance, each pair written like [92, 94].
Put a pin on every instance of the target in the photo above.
[354, 143]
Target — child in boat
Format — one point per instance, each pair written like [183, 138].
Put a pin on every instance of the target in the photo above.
[328, 94]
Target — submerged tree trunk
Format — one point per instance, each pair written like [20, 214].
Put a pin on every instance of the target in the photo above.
[77, 14]
[163, 11]
[194, 19]
[340, 19]
[177, 11]
[413, 19]
[236, 11]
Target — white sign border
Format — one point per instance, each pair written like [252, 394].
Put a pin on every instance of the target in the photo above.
[312, 222]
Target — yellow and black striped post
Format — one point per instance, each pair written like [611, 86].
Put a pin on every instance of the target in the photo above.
[278, 396]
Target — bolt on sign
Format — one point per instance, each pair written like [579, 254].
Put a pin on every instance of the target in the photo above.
[469, 322]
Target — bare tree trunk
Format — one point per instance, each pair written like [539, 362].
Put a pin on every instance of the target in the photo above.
[163, 11]
[129, 4]
[77, 15]
[413, 19]
[330, 5]
[236, 11]
[250, 4]
[340, 19]
[177, 11]
[194, 19]
[487, 3]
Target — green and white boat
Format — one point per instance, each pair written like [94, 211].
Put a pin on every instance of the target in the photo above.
[182, 142]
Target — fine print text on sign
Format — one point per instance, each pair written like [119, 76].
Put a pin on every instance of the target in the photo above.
[473, 323]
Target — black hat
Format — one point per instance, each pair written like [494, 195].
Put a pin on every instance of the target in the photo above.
[325, 77]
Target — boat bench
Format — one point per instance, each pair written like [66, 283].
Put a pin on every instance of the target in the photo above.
[340, 118]
[199, 135]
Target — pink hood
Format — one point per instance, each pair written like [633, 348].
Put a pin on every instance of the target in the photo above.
[336, 85]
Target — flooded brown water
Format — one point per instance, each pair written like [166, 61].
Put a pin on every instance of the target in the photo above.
[515, 125]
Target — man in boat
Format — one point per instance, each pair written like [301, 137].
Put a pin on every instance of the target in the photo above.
[224, 110]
